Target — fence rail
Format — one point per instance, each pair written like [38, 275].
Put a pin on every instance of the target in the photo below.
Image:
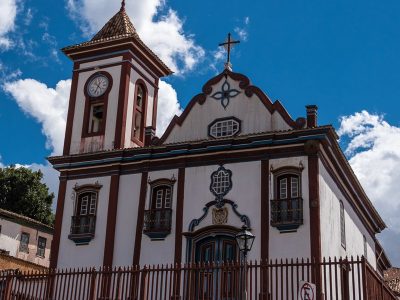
[347, 279]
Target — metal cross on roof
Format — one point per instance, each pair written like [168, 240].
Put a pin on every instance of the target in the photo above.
[228, 45]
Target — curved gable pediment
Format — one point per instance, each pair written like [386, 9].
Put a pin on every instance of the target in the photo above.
[228, 96]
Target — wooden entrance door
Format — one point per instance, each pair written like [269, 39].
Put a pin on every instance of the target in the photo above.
[216, 283]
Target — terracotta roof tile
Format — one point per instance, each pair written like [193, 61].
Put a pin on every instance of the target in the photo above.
[118, 25]
[392, 279]
[25, 219]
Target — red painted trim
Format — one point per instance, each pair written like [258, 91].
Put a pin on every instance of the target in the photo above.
[140, 219]
[111, 221]
[55, 245]
[265, 210]
[315, 222]
[120, 125]
[244, 83]
[179, 215]
[210, 159]
[155, 106]
[140, 141]
[71, 112]
[265, 219]
[95, 100]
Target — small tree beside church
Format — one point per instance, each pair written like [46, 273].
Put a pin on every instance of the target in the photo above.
[22, 192]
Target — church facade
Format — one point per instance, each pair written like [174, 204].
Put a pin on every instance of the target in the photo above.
[232, 158]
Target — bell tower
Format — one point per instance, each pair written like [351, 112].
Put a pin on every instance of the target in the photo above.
[113, 100]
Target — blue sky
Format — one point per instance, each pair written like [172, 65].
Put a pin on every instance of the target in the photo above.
[340, 55]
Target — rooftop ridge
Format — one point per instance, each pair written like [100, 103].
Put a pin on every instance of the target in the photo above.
[119, 25]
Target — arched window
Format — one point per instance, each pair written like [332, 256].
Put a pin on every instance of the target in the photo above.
[342, 226]
[83, 223]
[287, 205]
[138, 122]
[158, 218]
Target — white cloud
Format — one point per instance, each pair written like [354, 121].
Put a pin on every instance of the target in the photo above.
[46, 105]
[168, 106]
[49, 107]
[218, 56]
[160, 28]
[8, 12]
[50, 178]
[242, 31]
[374, 151]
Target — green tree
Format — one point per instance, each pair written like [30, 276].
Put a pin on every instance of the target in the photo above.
[22, 192]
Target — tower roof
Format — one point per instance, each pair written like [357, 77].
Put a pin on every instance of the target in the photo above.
[118, 30]
[118, 25]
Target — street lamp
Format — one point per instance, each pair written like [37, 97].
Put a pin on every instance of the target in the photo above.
[245, 241]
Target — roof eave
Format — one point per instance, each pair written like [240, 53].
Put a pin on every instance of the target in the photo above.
[72, 51]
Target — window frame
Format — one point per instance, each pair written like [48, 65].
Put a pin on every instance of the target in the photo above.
[22, 247]
[155, 185]
[287, 173]
[365, 246]
[38, 249]
[342, 220]
[83, 225]
[158, 219]
[142, 110]
[213, 123]
[93, 101]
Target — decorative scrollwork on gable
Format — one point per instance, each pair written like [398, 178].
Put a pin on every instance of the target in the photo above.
[225, 94]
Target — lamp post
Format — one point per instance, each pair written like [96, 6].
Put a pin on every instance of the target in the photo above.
[245, 241]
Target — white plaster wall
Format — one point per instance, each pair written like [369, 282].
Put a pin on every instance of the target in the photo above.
[291, 244]
[10, 236]
[278, 123]
[89, 255]
[163, 251]
[108, 141]
[129, 111]
[246, 193]
[101, 62]
[125, 230]
[141, 69]
[251, 111]
[330, 196]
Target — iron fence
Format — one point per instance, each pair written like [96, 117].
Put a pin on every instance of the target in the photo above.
[347, 279]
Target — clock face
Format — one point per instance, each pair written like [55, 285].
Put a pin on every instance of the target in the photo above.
[97, 86]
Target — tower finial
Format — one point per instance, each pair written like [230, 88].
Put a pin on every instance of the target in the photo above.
[228, 45]
[123, 5]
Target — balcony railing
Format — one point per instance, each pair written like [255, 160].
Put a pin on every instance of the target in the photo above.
[287, 214]
[82, 229]
[157, 223]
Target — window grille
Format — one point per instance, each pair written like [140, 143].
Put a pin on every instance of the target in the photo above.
[221, 182]
[41, 246]
[224, 128]
[342, 226]
[23, 246]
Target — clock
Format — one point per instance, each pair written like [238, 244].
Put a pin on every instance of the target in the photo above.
[97, 85]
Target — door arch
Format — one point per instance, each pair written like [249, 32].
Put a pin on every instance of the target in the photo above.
[217, 248]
